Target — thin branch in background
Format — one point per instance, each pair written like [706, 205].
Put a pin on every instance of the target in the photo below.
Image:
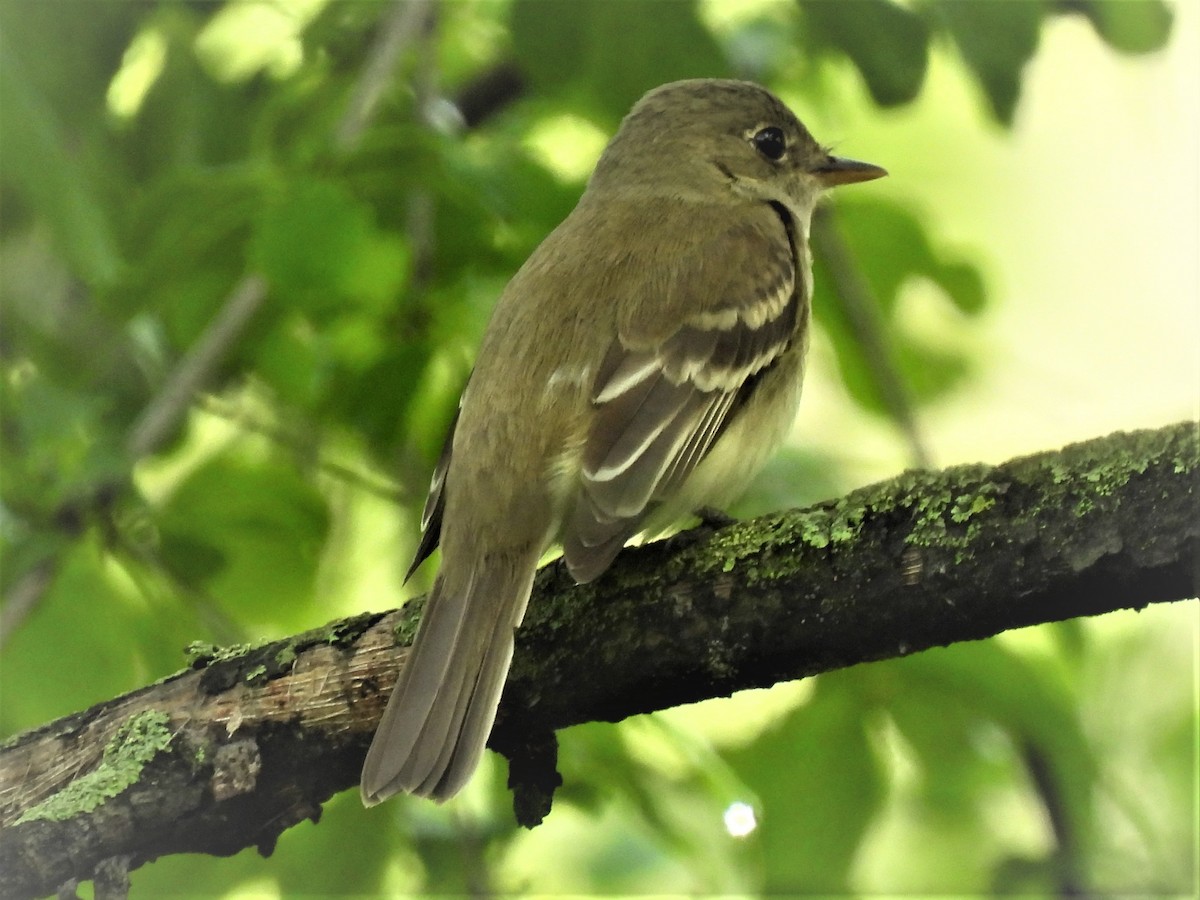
[422, 209]
[407, 21]
[1066, 849]
[403, 25]
[168, 407]
[860, 305]
[162, 415]
[374, 483]
[25, 596]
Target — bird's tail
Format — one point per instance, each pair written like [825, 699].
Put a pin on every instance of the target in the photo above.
[433, 732]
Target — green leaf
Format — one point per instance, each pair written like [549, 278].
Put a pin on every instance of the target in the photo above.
[607, 53]
[1130, 26]
[186, 231]
[36, 163]
[888, 43]
[890, 247]
[58, 446]
[996, 38]
[820, 786]
[86, 641]
[375, 400]
[308, 240]
[249, 533]
[670, 792]
[969, 684]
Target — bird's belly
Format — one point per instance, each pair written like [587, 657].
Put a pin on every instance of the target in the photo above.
[740, 453]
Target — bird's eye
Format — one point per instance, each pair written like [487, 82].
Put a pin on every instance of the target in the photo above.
[770, 143]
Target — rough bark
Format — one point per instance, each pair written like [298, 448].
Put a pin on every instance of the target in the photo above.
[249, 741]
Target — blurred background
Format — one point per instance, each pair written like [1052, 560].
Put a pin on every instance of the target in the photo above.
[247, 250]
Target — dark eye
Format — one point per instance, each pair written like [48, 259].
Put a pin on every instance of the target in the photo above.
[770, 143]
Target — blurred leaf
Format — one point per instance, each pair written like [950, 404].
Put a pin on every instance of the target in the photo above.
[88, 614]
[497, 207]
[1131, 26]
[671, 788]
[51, 180]
[249, 534]
[375, 400]
[58, 446]
[888, 43]
[996, 38]
[187, 232]
[377, 273]
[607, 53]
[307, 863]
[820, 786]
[307, 241]
[890, 246]
[764, 46]
[946, 695]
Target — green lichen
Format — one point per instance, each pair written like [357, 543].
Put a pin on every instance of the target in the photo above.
[405, 630]
[1091, 474]
[946, 514]
[132, 747]
[736, 547]
[345, 632]
[846, 523]
[968, 506]
[257, 675]
[285, 657]
[813, 528]
[201, 653]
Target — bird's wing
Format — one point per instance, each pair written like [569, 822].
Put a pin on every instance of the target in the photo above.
[665, 393]
[435, 503]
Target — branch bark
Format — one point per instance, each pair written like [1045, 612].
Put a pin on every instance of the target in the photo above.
[250, 741]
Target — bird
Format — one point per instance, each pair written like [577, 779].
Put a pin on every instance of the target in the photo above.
[643, 363]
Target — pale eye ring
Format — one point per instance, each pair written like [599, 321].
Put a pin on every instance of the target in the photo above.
[770, 143]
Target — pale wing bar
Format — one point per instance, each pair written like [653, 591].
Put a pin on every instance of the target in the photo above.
[660, 410]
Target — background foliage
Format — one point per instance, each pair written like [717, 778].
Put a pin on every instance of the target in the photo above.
[159, 160]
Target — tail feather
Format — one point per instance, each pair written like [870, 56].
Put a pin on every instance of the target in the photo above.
[476, 724]
[434, 730]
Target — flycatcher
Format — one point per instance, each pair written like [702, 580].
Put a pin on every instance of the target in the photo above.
[644, 362]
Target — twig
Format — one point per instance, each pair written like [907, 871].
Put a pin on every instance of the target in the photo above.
[860, 306]
[165, 410]
[24, 596]
[374, 483]
[168, 406]
[404, 24]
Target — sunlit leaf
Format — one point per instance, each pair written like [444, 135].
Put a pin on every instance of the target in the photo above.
[1131, 26]
[248, 534]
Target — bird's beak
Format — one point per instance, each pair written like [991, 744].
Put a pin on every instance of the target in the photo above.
[835, 170]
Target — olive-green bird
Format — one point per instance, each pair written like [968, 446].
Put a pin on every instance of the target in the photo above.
[644, 362]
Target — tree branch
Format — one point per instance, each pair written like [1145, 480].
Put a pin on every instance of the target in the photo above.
[251, 741]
